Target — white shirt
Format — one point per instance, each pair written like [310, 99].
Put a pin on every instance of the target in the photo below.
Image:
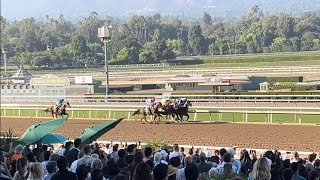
[180, 174]
[74, 165]
[220, 168]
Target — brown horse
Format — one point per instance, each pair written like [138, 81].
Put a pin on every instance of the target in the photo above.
[144, 114]
[61, 112]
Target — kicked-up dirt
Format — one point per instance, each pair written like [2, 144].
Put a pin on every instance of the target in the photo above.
[260, 136]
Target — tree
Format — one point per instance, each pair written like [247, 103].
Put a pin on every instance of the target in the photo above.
[285, 25]
[307, 40]
[196, 39]
[278, 44]
[79, 45]
[146, 56]
[160, 51]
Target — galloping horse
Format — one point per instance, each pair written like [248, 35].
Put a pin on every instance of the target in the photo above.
[144, 114]
[183, 110]
[61, 112]
[157, 113]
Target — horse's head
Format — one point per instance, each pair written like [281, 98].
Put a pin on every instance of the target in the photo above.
[189, 103]
[66, 104]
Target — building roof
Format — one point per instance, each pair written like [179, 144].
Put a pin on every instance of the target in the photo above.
[21, 74]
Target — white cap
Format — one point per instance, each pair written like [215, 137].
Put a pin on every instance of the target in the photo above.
[231, 151]
[163, 153]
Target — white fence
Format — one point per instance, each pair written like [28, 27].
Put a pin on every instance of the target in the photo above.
[99, 112]
[142, 98]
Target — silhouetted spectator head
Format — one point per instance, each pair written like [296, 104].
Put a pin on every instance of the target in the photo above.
[120, 177]
[77, 143]
[87, 149]
[287, 174]
[191, 172]
[286, 163]
[190, 151]
[82, 172]
[62, 163]
[222, 152]
[96, 164]
[175, 162]
[148, 152]
[295, 167]
[216, 152]
[121, 153]
[203, 157]
[226, 157]
[176, 147]
[31, 157]
[51, 167]
[302, 171]
[46, 155]
[138, 157]
[160, 172]
[130, 148]
[182, 149]
[142, 172]
[115, 148]
[97, 174]
[314, 175]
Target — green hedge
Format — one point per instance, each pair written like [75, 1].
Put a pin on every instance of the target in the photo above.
[285, 79]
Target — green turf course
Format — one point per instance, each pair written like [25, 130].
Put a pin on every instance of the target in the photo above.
[227, 117]
[252, 60]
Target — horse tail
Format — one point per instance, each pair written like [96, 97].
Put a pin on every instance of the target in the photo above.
[46, 110]
[136, 112]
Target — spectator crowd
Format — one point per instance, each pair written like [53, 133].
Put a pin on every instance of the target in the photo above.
[133, 162]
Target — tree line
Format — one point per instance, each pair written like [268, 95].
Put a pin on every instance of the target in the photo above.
[154, 39]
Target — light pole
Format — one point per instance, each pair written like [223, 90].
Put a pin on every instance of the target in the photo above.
[5, 51]
[105, 34]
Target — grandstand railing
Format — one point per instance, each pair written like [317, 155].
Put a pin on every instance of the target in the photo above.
[82, 112]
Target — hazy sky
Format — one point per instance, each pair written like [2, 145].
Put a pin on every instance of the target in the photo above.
[17, 9]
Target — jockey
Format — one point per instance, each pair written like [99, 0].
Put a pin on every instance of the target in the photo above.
[181, 101]
[59, 102]
[150, 103]
[164, 103]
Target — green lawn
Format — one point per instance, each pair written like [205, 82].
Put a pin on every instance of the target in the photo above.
[255, 60]
[227, 117]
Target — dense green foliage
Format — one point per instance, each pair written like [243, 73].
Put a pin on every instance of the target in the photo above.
[154, 39]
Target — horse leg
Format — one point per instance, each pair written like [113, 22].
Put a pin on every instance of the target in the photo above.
[187, 117]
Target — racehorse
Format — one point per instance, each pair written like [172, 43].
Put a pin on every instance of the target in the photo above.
[167, 111]
[183, 109]
[144, 114]
[61, 112]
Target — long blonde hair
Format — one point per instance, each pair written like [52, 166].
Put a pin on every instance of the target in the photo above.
[261, 170]
[36, 171]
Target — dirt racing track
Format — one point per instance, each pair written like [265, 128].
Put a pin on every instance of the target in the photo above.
[260, 136]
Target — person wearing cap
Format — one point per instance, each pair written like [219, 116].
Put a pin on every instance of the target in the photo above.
[235, 162]
[164, 156]
[17, 152]
[203, 166]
